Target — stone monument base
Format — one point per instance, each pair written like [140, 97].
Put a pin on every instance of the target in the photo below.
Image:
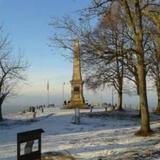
[73, 106]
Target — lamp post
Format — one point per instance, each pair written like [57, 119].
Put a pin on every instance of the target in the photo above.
[48, 93]
[63, 92]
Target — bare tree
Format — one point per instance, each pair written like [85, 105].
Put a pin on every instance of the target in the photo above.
[134, 14]
[154, 67]
[11, 69]
[155, 74]
[102, 56]
[134, 20]
[153, 14]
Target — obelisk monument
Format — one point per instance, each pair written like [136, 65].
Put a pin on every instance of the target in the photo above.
[77, 99]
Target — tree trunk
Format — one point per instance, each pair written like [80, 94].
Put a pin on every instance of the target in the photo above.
[120, 83]
[1, 117]
[120, 98]
[158, 97]
[1, 102]
[145, 126]
[137, 87]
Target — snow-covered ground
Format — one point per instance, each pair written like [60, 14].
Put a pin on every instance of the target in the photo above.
[99, 135]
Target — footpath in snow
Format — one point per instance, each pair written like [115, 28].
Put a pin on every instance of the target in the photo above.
[100, 135]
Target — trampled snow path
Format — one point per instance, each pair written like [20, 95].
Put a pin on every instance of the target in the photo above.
[109, 135]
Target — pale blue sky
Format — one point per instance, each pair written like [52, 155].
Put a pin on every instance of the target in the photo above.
[27, 23]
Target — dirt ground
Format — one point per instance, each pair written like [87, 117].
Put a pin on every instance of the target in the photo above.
[57, 156]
